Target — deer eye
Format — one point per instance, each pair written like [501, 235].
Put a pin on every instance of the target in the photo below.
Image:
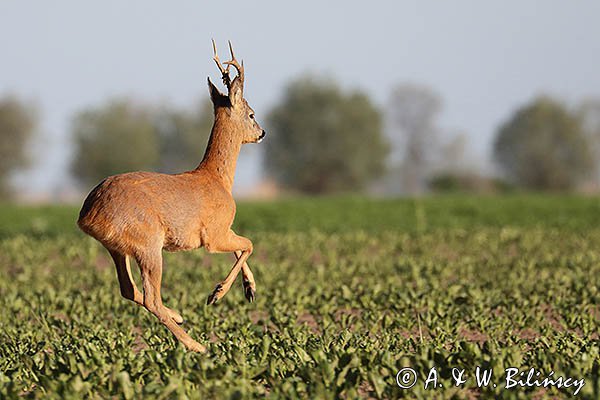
[251, 116]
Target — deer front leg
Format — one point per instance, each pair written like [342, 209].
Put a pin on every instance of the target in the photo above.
[230, 243]
[248, 281]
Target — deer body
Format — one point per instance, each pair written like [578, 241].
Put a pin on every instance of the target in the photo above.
[132, 211]
[140, 214]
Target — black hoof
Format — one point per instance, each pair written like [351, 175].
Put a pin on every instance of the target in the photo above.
[212, 299]
[249, 292]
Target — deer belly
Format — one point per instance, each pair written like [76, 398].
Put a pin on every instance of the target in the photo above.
[179, 242]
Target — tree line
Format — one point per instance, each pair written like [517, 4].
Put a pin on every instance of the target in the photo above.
[323, 139]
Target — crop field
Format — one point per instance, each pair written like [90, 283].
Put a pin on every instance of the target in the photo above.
[349, 292]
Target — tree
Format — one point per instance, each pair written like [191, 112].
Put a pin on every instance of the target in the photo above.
[17, 123]
[589, 114]
[117, 137]
[122, 136]
[323, 140]
[183, 136]
[542, 146]
[413, 110]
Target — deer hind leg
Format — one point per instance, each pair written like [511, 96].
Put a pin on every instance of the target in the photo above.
[151, 271]
[249, 284]
[128, 288]
[230, 243]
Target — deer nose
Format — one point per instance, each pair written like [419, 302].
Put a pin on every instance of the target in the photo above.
[262, 135]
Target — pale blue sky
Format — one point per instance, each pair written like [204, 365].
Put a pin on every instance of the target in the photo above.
[484, 58]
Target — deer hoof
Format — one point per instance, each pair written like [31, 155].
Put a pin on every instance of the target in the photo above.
[195, 347]
[249, 291]
[215, 295]
[175, 316]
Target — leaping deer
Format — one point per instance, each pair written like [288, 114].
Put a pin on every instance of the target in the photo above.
[139, 214]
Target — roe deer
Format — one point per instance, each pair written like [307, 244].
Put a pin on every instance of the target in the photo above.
[139, 214]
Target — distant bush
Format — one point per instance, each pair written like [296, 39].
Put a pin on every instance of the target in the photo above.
[468, 182]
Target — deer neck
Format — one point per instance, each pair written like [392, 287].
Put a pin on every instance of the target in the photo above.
[222, 151]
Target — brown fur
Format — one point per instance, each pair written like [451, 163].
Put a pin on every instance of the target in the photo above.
[139, 214]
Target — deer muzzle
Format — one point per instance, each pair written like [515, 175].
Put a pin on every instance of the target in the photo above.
[261, 137]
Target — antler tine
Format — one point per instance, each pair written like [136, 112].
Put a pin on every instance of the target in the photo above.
[224, 71]
[236, 65]
[231, 50]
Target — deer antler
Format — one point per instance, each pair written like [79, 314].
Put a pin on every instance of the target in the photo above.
[236, 65]
[224, 71]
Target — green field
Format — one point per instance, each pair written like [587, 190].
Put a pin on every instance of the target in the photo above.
[349, 291]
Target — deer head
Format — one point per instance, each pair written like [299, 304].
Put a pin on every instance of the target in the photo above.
[233, 105]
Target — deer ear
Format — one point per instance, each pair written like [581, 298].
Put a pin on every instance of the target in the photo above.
[236, 92]
[215, 95]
